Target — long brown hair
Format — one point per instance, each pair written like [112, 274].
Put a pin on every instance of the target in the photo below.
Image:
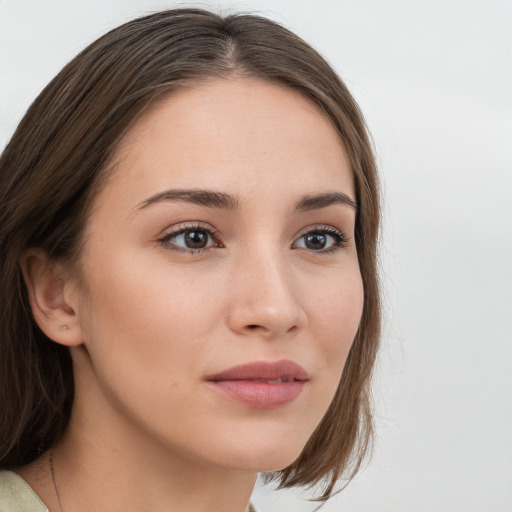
[52, 167]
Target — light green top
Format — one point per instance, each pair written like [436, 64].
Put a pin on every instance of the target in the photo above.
[17, 496]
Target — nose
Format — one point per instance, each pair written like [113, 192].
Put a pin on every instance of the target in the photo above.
[266, 301]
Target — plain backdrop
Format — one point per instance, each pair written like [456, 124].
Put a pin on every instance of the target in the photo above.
[434, 79]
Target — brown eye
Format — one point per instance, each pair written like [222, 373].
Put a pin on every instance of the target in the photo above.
[315, 241]
[192, 239]
[197, 239]
[321, 240]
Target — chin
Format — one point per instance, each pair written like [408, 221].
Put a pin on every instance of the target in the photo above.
[260, 455]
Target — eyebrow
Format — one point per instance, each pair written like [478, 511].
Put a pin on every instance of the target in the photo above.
[201, 197]
[315, 202]
[222, 200]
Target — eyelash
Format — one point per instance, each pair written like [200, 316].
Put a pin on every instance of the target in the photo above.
[340, 240]
[184, 228]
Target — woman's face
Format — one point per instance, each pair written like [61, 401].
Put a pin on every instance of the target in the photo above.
[220, 288]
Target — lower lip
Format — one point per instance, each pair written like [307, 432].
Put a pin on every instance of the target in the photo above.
[260, 395]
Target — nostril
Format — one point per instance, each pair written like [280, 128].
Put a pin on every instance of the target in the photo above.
[255, 327]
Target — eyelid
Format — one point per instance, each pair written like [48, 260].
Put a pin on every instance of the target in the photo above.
[182, 227]
[329, 230]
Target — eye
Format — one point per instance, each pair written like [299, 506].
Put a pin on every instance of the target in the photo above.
[321, 240]
[190, 239]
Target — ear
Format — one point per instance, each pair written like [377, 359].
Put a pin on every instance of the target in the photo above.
[50, 295]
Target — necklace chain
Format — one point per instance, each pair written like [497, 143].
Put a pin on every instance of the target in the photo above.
[52, 471]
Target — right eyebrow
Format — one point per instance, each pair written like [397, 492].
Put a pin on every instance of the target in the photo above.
[208, 198]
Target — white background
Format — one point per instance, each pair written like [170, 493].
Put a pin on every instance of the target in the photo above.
[434, 79]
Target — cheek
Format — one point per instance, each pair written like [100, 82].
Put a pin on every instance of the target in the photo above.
[145, 328]
[334, 321]
[149, 319]
[336, 312]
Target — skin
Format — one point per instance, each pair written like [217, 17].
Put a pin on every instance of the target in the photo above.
[149, 320]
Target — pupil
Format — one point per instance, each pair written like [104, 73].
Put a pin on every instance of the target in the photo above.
[196, 239]
[316, 241]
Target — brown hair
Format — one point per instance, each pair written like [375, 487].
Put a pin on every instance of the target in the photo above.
[50, 171]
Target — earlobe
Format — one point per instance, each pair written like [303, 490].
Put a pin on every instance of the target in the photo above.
[51, 308]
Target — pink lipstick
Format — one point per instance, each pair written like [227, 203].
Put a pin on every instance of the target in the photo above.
[261, 385]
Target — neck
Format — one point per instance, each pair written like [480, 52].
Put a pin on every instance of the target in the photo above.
[91, 476]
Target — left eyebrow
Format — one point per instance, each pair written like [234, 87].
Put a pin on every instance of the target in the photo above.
[315, 202]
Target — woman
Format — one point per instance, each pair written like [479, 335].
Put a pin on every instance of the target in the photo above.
[188, 224]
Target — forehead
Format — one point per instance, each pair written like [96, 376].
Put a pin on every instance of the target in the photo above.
[237, 135]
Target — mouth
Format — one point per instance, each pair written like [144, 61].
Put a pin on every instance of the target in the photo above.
[261, 385]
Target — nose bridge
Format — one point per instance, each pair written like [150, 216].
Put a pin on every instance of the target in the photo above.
[266, 299]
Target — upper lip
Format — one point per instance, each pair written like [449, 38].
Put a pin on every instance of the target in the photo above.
[262, 370]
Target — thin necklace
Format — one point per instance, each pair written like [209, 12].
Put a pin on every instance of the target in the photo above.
[52, 471]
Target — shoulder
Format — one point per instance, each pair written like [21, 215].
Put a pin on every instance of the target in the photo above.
[17, 496]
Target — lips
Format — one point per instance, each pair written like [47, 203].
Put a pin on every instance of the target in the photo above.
[261, 385]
